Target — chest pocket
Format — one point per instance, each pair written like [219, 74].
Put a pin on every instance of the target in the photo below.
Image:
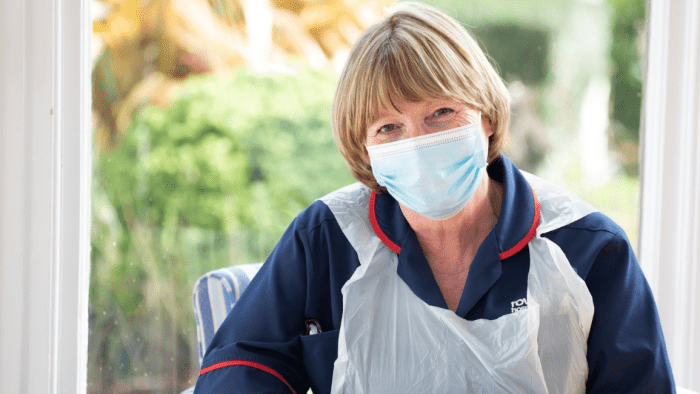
[319, 352]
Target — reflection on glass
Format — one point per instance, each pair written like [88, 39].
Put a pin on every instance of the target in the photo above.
[213, 133]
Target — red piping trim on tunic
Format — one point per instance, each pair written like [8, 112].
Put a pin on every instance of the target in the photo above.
[261, 367]
[504, 255]
[377, 230]
[530, 234]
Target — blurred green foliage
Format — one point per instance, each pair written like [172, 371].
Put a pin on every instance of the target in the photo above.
[626, 53]
[210, 181]
[227, 151]
[628, 28]
[518, 52]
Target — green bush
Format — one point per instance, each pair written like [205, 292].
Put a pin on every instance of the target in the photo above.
[210, 181]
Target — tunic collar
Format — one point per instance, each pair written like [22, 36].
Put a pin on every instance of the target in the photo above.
[515, 227]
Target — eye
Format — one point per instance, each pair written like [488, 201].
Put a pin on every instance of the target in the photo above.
[443, 111]
[388, 128]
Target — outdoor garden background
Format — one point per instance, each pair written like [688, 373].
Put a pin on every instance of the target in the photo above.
[212, 131]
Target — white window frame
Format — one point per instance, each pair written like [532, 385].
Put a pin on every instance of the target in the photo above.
[45, 174]
[669, 242]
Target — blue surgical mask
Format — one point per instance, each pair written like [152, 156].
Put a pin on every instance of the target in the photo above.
[434, 175]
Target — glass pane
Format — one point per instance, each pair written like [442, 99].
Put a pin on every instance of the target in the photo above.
[211, 136]
[573, 68]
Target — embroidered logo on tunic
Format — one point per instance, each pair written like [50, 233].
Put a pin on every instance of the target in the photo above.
[518, 305]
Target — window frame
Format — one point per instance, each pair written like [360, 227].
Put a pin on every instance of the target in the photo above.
[669, 242]
[45, 175]
[45, 184]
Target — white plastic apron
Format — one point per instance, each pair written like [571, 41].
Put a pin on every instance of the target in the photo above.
[390, 341]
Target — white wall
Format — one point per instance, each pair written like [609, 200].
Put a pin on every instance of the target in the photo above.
[44, 195]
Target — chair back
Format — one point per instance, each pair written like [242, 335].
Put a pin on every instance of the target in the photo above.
[213, 297]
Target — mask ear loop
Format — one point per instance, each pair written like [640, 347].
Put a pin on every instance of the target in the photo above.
[486, 138]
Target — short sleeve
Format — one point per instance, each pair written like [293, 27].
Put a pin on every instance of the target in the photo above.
[626, 347]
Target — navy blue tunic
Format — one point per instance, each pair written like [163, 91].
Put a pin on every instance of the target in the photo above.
[262, 346]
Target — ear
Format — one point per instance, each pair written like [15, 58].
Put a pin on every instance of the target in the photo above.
[486, 126]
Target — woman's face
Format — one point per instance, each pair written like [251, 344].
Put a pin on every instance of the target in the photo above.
[421, 118]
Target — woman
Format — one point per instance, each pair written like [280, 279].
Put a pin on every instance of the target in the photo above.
[445, 269]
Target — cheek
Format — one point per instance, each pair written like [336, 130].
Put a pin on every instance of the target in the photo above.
[472, 117]
[464, 118]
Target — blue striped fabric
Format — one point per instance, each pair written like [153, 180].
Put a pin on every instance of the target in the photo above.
[213, 297]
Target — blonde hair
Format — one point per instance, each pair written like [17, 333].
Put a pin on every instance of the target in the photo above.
[415, 53]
